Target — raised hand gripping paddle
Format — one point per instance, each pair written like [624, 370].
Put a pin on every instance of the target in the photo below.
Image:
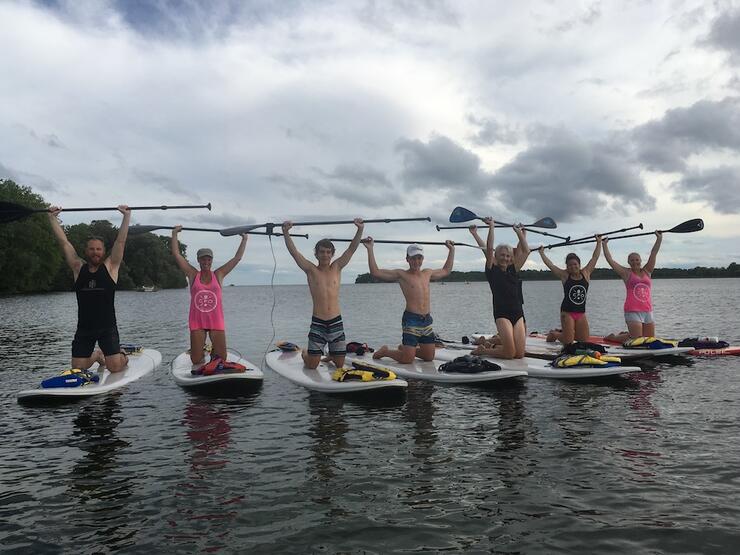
[11, 212]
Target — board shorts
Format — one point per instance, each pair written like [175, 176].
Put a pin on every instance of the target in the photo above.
[417, 329]
[327, 331]
[641, 317]
[575, 315]
[107, 339]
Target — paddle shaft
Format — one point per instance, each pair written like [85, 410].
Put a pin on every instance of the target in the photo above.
[389, 242]
[591, 237]
[586, 242]
[440, 227]
[133, 231]
[377, 221]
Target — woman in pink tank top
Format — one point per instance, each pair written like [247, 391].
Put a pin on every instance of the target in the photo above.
[206, 307]
[638, 305]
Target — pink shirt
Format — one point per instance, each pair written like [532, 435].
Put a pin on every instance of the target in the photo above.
[206, 310]
[638, 293]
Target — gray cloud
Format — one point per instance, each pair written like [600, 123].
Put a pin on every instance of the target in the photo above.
[163, 182]
[491, 132]
[725, 34]
[589, 17]
[566, 178]
[38, 182]
[386, 16]
[440, 163]
[222, 219]
[717, 187]
[664, 144]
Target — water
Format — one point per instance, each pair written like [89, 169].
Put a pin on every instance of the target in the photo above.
[647, 463]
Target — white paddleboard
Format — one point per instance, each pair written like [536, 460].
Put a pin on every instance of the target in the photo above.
[290, 366]
[429, 371]
[182, 369]
[139, 364]
[538, 346]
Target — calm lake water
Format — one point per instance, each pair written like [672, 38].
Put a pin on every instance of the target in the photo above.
[645, 464]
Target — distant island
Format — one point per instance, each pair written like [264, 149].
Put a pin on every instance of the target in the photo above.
[732, 271]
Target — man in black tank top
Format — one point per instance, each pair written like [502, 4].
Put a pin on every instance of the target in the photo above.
[95, 286]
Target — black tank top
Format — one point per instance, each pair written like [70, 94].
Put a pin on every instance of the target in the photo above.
[96, 293]
[506, 288]
[575, 291]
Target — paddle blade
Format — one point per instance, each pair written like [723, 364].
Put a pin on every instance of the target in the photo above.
[460, 214]
[546, 223]
[11, 212]
[238, 230]
[689, 226]
[139, 229]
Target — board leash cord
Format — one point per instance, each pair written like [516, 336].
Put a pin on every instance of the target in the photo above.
[272, 310]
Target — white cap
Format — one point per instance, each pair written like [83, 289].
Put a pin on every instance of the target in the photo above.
[414, 250]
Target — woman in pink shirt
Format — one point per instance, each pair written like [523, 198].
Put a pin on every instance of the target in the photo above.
[206, 309]
[638, 306]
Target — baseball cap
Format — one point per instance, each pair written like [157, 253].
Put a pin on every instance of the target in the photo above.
[204, 252]
[414, 250]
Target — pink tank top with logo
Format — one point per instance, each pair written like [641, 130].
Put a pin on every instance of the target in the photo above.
[638, 294]
[206, 311]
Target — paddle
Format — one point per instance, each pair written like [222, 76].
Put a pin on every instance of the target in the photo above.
[440, 227]
[270, 226]
[460, 214]
[589, 237]
[689, 226]
[10, 212]
[389, 242]
[139, 229]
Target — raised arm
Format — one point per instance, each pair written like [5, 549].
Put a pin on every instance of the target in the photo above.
[445, 270]
[490, 258]
[224, 270]
[521, 253]
[650, 266]
[301, 260]
[562, 274]
[589, 268]
[116, 254]
[346, 256]
[70, 255]
[183, 264]
[474, 232]
[384, 275]
[621, 271]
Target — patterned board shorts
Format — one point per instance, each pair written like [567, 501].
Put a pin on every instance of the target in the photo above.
[326, 331]
[417, 329]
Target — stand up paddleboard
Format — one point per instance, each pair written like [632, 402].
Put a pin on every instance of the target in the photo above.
[290, 366]
[139, 364]
[538, 347]
[182, 369]
[429, 371]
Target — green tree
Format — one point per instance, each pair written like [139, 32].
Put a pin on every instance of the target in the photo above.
[29, 256]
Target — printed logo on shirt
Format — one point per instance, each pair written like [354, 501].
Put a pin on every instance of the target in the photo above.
[91, 284]
[641, 292]
[205, 301]
[577, 294]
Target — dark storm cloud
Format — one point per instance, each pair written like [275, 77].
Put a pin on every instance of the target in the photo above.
[567, 178]
[666, 143]
[440, 163]
[724, 34]
[491, 132]
[718, 187]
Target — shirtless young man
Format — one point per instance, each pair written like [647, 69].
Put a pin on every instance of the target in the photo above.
[95, 280]
[416, 321]
[324, 280]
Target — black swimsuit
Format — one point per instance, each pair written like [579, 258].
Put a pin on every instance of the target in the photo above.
[575, 292]
[96, 313]
[506, 288]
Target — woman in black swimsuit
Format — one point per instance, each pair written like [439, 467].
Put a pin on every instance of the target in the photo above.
[502, 267]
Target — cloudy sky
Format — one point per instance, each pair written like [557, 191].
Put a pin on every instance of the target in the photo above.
[599, 115]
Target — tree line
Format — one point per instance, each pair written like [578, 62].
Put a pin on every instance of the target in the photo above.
[32, 262]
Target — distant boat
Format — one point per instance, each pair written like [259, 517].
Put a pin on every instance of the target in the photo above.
[147, 289]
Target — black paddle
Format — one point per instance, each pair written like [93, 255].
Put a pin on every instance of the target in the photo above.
[389, 242]
[270, 226]
[441, 227]
[139, 229]
[11, 212]
[689, 226]
[589, 237]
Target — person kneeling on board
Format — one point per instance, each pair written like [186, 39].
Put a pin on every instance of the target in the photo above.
[95, 280]
[416, 321]
[324, 280]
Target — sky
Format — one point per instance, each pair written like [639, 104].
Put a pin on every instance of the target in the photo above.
[599, 115]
